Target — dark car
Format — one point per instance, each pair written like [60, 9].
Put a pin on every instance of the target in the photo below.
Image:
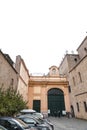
[2, 128]
[14, 124]
[32, 121]
[46, 121]
[40, 120]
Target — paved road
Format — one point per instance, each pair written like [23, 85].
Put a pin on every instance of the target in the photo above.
[65, 123]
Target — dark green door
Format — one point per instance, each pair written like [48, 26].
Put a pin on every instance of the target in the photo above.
[36, 105]
[55, 101]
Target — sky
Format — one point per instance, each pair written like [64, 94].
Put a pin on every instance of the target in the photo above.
[42, 31]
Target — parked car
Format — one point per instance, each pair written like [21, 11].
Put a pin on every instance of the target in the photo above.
[48, 122]
[32, 121]
[45, 121]
[14, 124]
[31, 111]
[24, 111]
[42, 121]
[2, 128]
[38, 114]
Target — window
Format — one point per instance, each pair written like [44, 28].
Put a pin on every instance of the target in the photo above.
[80, 78]
[29, 120]
[85, 106]
[12, 82]
[85, 49]
[77, 106]
[75, 59]
[69, 88]
[74, 81]
[54, 70]
[2, 84]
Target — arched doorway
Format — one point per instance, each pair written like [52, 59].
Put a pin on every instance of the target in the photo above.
[55, 101]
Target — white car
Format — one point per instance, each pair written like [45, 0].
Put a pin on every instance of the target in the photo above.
[31, 111]
[27, 111]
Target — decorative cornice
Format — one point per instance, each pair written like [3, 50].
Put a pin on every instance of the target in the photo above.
[45, 83]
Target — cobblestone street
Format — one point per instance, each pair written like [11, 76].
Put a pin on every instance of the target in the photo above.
[65, 123]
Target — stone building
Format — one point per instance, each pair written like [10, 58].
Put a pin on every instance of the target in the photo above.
[49, 93]
[14, 75]
[74, 66]
[23, 77]
[8, 74]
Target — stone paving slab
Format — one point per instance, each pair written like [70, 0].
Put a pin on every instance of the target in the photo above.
[64, 123]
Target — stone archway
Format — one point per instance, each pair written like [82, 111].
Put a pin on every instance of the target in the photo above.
[55, 101]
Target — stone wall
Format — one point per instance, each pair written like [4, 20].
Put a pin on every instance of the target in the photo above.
[23, 77]
[8, 74]
[75, 68]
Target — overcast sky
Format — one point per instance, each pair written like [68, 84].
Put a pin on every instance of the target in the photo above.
[41, 31]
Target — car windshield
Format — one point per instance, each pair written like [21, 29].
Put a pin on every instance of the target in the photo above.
[24, 125]
[40, 120]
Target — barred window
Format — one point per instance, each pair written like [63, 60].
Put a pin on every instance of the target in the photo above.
[74, 81]
[80, 78]
[69, 88]
[77, 106]
[12, 82]
[85, 106]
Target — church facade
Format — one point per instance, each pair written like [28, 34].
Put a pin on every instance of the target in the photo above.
[49, 93]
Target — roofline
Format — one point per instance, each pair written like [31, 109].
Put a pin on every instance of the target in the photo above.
[82, 42]
[25, 66]
[66, 56]
[8, 61]
[78, 63]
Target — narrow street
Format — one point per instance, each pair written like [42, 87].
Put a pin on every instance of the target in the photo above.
[65, 123]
